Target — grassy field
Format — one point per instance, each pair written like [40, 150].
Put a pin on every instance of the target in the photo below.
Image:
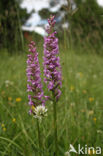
[80, 109]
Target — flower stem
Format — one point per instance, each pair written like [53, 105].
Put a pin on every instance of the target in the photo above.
[55, 124]
[39, 137]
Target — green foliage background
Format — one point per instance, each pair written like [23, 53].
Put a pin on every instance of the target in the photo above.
[11, 19]
[87, 24]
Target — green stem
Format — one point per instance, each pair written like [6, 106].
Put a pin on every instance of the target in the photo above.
[55, 124]
[39, 137]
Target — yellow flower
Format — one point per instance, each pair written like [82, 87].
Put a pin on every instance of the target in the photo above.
[9, 98]
[72, 88]
[18, 99]
[4, 129]
[14, 120]
[94, 119]
[91, 152]
[91, 99]
[80, 74]
[32, 107]
[84, 91]
[2, 125]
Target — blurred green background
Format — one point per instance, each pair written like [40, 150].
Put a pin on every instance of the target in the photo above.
[84, 17]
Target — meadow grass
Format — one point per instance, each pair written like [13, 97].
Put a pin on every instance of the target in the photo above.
[80, 109]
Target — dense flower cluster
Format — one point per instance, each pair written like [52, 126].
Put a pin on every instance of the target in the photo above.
[34, 86]
[40, 112]
[52, 68]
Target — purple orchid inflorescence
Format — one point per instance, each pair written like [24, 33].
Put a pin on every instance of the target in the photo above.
[34, 87]
[52, 68]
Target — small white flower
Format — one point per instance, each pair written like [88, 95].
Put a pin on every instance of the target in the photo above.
[99, 131]
[40, 112]
[67, 154]
[8, 83]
